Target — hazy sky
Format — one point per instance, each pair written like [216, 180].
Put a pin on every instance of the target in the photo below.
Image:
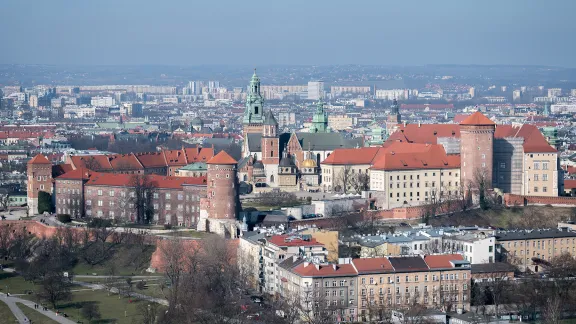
[307, 32]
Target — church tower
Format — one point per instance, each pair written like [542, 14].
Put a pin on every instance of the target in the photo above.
[39, 171]
[476, 150]
[270, 148]
[254, 113]
[320, 119]
[395, 116]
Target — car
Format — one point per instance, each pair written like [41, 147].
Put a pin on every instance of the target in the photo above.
[254, 316]
[256, 299]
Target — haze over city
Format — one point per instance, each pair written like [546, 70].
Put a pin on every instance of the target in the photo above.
[256, 33]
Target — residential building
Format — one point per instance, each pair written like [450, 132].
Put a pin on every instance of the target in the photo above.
[315, 90]
[528, 249]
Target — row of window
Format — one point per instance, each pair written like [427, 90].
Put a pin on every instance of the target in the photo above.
[404, 177]
[537, 243]
[426, 184]
[544, 177]
[407, 290]
[409, 300]
[155, 195]
[100, 203]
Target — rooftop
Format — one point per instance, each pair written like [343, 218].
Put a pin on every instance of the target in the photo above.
[533, 234]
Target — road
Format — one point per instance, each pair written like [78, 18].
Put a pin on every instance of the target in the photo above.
[115, 291]
[22, 319]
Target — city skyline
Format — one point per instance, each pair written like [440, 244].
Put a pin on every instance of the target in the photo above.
[299, 33]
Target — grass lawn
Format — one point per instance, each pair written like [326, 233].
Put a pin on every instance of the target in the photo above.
[6, 314]
[112, 308]
[118, 263]
[14, 284]
[34, 316]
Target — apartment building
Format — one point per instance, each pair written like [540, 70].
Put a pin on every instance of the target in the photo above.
[362, 289]
[527, 249]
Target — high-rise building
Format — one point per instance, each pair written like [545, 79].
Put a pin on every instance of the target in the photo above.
[33, 101]
[554, 92]
[315, 90]
[400, 94]
[212, 85]
[573, 92]
[516, 95]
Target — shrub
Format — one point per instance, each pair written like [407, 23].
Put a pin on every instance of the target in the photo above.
[99, 223]
[44, 202]
[141, 285]
[167, 226]
[64, 218]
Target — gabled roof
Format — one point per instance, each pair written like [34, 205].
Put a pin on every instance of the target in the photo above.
[534, 141]
[157, 181]
[222, 158]
[408, 263]
[327, 141]
[373, 265]
[403, 156]
[364, 155]
[326, 270]
[78, 174]
[39, 159]
[477, 119]
[424, 133]
[442, 261]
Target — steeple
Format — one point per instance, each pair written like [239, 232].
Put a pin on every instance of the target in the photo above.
[546, 111]
[320, 119]
[254, 102]
[395, 116]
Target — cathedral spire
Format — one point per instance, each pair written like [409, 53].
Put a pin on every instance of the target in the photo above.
[253, 114]
[320, 119]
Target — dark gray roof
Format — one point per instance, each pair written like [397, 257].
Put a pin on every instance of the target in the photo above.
[286, 162]
[492, 267]
[254, 142]
[258, 165]
[532, 234]
[405, 264]
[269, 118]
[327, 141]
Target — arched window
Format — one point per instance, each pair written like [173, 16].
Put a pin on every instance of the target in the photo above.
[272, 179]
[256, 110]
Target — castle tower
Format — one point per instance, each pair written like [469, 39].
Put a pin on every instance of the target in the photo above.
[270, 148]
[254, 113]
[220, 207]
[476, 150]
[394, 118]
[320, 119]
[39, 171]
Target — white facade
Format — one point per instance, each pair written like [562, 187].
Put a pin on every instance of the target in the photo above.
[315, 90]
[475, 249]
[102, 101]
[79, 112]
[560, 108]
[399, 94]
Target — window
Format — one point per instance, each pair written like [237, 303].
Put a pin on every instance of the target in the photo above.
[100, 203]
[544, 165]
[544, 177]
[544, 189]
[536, 165]
[483, 156]
[99, 192]
[180, 197]
[535, 177]
[535, 189]
[111, 203]
[89, 202]
[111, 193]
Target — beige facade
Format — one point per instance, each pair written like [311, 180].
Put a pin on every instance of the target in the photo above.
[333, 174]
[328, 238]
[340, 122]
[415, 187]
[380, 250]
[540, 174]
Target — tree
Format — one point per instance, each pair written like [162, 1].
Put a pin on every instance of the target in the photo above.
[44, 202]
[92, 164]
[54, 288]
[91, 311]
[359, 182]
[481, 185]
[342, 179]
[141, 197]
[5, 200]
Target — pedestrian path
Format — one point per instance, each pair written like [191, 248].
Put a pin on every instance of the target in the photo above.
[22, 319]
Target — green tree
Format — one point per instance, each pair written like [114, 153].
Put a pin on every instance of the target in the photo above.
[44, 202]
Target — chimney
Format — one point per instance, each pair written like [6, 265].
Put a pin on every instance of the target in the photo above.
[419, 123]
[306, 264]
[404, 123]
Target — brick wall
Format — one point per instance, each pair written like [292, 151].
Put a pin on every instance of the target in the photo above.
[520, 200]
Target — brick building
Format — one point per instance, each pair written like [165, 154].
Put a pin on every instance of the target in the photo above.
[39, 171]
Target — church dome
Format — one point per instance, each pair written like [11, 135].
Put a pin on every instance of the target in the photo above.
[197, 122]
[309, 163]
[258, 165]
[286, 162]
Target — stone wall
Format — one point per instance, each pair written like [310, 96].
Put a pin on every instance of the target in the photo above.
[521, 200]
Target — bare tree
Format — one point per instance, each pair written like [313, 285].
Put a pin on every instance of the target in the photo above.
[342, 179]
[481, 185]
[359, 182]
[141, 197]
[91, 163]
[5, 200]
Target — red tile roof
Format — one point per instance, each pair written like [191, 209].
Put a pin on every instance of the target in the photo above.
[403, 156]
[222, 158]
[442, 261]
[364, 155]
[569, 184]
[534, 141]
[76, 175]
[477, 118]
[371, 265]
[161, 182]
[39, 159]
[328, 270]
[281, 240]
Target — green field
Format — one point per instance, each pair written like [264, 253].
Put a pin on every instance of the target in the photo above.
[6, 314]
[34, 316]
[14, 284]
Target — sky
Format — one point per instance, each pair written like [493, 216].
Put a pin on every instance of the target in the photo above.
[293, 32]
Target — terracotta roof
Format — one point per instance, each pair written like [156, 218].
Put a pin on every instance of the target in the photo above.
[281, 240]
[477, 118]
[76, 175]
[372, 265]
[222, 158]
[403, 156]
[327, 270]
[442, 261]
[569, 184]
[152, 159]
[162, 182]
[534, 141]
[364, 155]
[39, 159]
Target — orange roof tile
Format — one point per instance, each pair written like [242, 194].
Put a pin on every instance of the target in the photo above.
[425, 133]
[371, 265]
[162, 182]
[39, 159]
[280, 240]
[442, 261]
[477, 118]
[326, 270]
[407, 156]
[534, 141]
[76, 175]
[364, 155]
[222, 158]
